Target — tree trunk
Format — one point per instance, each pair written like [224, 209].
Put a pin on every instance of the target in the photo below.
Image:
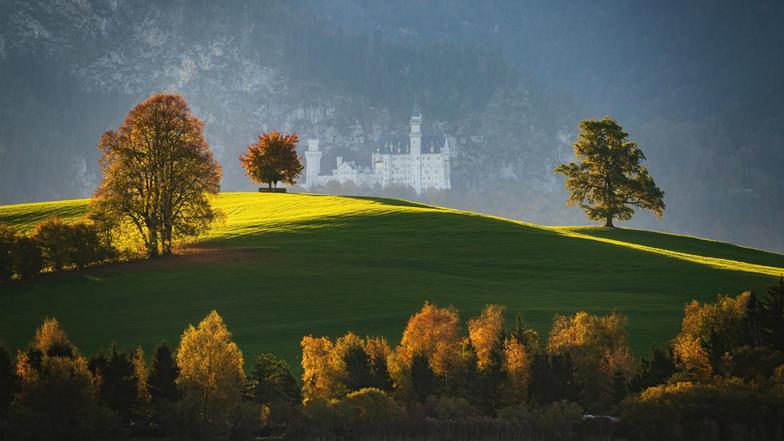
[269, 185]
[609, 223]
[152, 243]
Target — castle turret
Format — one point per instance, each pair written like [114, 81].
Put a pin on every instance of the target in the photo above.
[312, 163]
[415, 149]
[446, 154]
[416, 131]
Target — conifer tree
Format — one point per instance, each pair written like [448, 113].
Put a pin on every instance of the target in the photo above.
[609, 178]
[163, 376]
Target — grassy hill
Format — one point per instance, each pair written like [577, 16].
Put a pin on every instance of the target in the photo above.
[285, 265]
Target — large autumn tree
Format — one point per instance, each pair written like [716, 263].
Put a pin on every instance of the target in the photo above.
[273, 159]
[158, 173]
[609, 178]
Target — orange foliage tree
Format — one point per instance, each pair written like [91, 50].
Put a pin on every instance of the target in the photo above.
[598, 345]
[709, 334]
[323, 370]
[273, 159]
[486, 333]
[158, 172]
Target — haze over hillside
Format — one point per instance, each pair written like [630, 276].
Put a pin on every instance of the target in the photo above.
[698, 85]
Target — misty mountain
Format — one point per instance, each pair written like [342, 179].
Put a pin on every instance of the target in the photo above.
[699, 87]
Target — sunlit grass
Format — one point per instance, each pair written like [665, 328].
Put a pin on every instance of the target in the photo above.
[284, 265]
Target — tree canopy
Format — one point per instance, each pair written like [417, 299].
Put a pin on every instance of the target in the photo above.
[158, 172]
[609, 178]
[273, 159]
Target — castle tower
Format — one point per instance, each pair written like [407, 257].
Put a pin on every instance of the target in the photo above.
[446, 155]
[415, 149]
[312, 163]
[415, 136]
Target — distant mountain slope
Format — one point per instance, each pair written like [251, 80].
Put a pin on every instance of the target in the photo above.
[699, 87]
[283, 266]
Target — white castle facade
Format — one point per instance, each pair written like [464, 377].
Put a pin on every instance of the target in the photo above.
[419, 163]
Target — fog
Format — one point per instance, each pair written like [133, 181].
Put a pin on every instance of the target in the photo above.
[699, 85]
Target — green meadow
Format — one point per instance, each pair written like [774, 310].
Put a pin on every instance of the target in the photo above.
[280, 266]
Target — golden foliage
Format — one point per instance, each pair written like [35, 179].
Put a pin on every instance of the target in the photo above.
[485, 334]
[158, 171]
[212, 375]
[722, 320]
[322, 368]
[596, 343]
[516, 365]
[435, 332]
[377, 349]
[142, 375]
[51, 336]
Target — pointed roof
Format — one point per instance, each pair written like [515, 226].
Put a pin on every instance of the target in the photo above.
[416, 113]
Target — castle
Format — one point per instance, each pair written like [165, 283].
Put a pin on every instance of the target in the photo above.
[419, 163]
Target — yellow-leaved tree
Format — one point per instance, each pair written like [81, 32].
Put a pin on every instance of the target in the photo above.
[323, 371]
[486, 333]
[599, 348]
[211, 378]
[709, 335]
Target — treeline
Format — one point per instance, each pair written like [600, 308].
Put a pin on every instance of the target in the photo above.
[53, 245]
[721, 378]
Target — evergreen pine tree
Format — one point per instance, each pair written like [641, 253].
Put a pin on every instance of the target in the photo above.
[163, 375]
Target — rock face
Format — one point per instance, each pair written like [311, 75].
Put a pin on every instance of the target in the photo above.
[348, 72]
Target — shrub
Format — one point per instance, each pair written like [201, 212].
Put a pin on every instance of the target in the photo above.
[7, 245]
[52, 234]
[65, 245]
[690, 411]
[559, 420]
[373, 406]
[28, 260]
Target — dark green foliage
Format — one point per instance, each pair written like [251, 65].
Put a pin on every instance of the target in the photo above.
[654, 371]
[619, 388]
[29, 260]
[772, 316]
[54, 237]
[753, 322]
[491, 381]
[423, 379]
[272, 382]
[687, 411]
[7, 382]
[56, 396]
[553, 379]
[610, 177]
[559, 420]
[163, 375]
[117, 381]
[70, 245]
[358, 369]
[7, 246]
[717, 346]
[379, 375]
[755, 363]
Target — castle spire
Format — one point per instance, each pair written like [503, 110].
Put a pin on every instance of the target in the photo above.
[416, 113]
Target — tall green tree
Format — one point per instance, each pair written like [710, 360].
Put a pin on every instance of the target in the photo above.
[7, 381]
[272, 382]
[609, 178]
[772, 316]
